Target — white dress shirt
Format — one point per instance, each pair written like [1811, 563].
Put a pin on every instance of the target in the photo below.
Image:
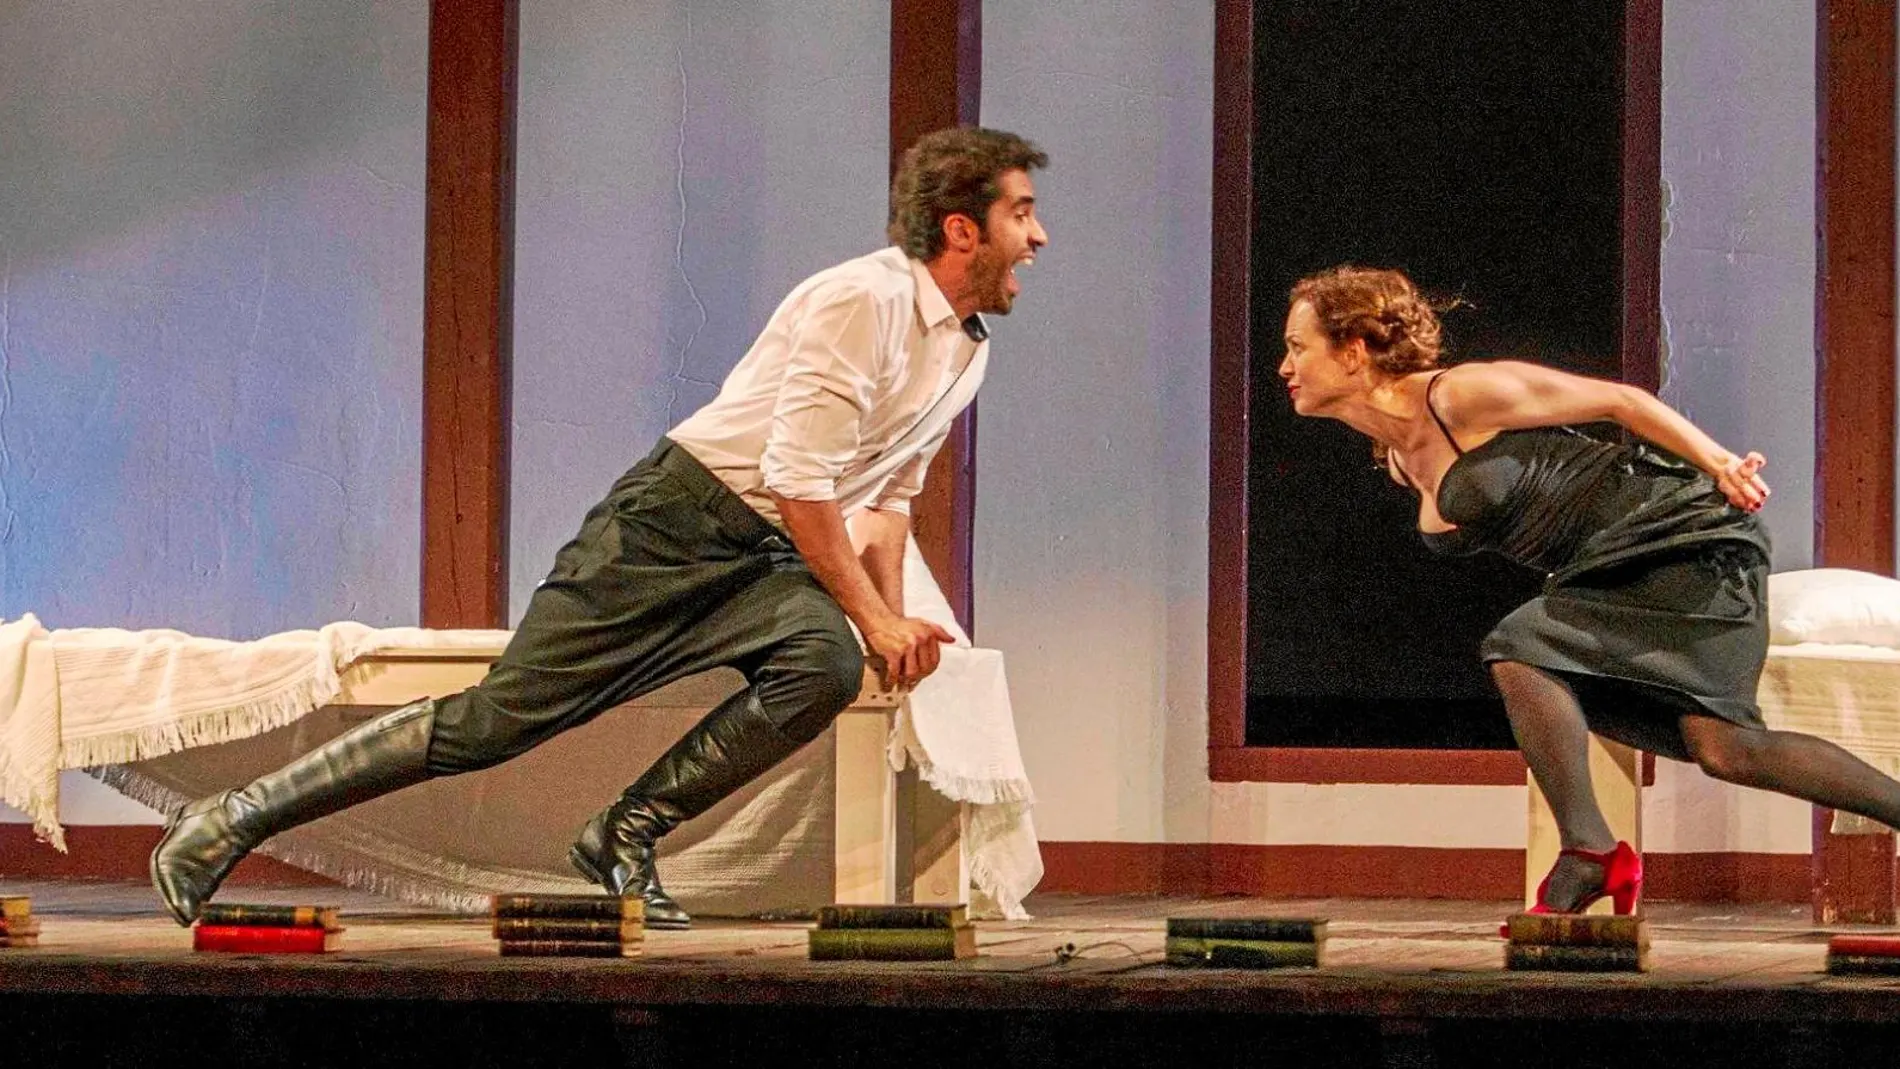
[838, 399]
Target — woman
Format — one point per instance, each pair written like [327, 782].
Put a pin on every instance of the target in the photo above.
[1651, 628]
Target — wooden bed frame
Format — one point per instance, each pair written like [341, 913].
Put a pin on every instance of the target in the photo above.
[896, 840]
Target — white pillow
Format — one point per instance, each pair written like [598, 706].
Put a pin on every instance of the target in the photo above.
[1835, 605]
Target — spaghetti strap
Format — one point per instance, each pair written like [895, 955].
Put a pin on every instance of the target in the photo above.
[1436, 418]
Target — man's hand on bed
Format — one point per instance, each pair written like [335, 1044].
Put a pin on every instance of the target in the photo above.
[906, 650]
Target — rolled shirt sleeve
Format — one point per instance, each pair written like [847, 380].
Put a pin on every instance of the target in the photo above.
[830, 379]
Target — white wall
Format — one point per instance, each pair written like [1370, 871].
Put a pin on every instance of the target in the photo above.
[210, 319]
[1739, 242]
[1091, 511]
[682, 165]
[1738, 316]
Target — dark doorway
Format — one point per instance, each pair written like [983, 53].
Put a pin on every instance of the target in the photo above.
[1478, 147]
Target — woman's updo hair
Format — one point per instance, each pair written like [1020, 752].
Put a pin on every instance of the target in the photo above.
[1381, 308]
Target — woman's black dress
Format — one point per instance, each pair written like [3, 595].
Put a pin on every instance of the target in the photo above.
[1656, 601]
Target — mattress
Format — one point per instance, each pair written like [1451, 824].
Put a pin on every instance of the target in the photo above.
[1847, 694]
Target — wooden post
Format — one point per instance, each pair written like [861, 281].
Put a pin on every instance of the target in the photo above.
[1642, 194]
[467, 306]
[1230, 329]
[1854, 371]
[936, 78]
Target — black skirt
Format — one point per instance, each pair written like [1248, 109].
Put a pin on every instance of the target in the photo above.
[1648, 640]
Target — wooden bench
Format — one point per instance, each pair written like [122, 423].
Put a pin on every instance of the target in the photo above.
[896, 840]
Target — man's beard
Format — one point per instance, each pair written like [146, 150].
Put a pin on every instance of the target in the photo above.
[990, 273]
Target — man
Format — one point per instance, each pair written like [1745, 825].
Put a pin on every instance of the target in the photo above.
[726, 546]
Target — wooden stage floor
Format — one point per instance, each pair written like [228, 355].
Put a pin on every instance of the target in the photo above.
[1415, 981]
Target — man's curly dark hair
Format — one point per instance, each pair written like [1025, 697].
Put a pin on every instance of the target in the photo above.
[952, 172]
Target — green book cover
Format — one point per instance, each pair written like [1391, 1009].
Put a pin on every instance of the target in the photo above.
[599, 906]
[1537, 957]
[1242, 953]
[592, 929]
[1269, 929]
[912, 916]
[892, 944]
[329, 918]
[1863, 965]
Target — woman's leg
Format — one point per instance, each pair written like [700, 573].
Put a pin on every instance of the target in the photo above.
[1791, 763]
[1555, 741]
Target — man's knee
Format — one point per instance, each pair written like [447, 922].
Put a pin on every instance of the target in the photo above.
[472, 733]
[811, 686]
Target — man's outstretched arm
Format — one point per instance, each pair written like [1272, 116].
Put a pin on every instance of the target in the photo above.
[907, 646]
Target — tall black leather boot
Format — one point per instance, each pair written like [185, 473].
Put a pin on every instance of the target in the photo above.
[731, 747]
[203, 840]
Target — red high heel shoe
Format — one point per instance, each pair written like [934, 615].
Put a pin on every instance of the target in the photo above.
[1622, 881]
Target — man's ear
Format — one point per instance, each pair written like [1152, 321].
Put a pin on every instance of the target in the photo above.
[961, 232]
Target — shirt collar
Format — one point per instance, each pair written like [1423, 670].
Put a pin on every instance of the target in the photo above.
[932, 305]
[935, 308]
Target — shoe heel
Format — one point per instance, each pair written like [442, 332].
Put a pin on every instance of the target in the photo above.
[1625, 877]
[1624, 901]
[584, 865]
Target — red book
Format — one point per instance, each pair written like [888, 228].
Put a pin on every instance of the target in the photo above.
[1866, 946]
[260, 939]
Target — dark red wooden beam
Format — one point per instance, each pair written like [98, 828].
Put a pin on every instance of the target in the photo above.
[467, 304]
[1642, 194]
[1854, 370]
[936, 82]
[1230, 404]
[1854, 286]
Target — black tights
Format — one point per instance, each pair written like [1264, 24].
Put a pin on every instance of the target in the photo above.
[1550, 730]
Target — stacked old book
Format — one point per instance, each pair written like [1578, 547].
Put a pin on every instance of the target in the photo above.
[1573, 942]
[18, 926]
[892, 933]
[250, 928]
[568, 926]
[1246, 942]
[1865, 955]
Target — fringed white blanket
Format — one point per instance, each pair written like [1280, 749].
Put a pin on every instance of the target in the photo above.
[959, 729]
[83, 697]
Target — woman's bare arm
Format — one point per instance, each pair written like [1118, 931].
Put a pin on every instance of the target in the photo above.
[1512, 395]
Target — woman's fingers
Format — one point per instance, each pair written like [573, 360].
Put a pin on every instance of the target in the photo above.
[1741, 484]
